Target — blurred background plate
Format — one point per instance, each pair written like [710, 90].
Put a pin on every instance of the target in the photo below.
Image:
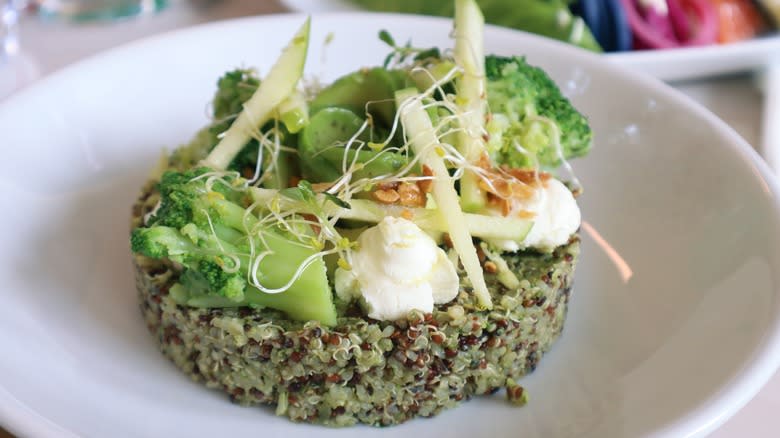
[669, 64]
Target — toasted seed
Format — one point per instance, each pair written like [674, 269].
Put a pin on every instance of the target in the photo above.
[410, 195]
[386, 196]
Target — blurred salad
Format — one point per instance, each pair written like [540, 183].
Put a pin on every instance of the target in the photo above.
[616, 25]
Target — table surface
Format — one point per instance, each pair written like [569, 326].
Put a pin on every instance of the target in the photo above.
[50, 45]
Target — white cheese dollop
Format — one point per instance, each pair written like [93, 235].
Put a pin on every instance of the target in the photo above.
[397, 267]
[556, 217]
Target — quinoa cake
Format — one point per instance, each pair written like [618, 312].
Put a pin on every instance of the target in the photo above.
[361, 370]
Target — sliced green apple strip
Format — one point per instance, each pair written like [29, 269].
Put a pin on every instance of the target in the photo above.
[425, 144]
[482, 226]
[273, 90]
[294, 112]
[471, 96]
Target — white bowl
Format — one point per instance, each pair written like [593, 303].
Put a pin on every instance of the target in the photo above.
[674, 317]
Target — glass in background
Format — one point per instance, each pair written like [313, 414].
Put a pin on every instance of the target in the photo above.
[9, 34]
[84, 10]
[16, 68]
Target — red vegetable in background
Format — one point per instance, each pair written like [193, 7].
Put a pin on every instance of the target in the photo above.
[681, 20]
[656, 15]
[737, 20]
[694, 23]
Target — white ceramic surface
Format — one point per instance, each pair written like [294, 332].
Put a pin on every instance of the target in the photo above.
[669, 65]
[674, 319]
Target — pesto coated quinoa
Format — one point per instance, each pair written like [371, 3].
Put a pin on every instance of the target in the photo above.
[372, 251]
[360, 370]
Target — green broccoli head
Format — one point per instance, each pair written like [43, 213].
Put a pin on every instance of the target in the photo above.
[530, 115]
[228, 285]
[185, 198]
[204, 265]
[216, 262]
[159, 242]
[179, 196]
[233, 89]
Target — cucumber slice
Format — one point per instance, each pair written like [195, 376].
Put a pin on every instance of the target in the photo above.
[374, 164]
[328, 127]
[326, 130]
[322, 154]
[364, 91]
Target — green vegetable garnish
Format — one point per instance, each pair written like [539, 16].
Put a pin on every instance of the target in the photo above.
[202, 225]
[532, 122]
[289, 177]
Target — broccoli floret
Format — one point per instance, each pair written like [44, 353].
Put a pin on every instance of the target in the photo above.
[176, 202]
[206, 229]
[199, 257]
[528, 114]
[159, 242]
[233, 89]
[184, 198]
[228, 285]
